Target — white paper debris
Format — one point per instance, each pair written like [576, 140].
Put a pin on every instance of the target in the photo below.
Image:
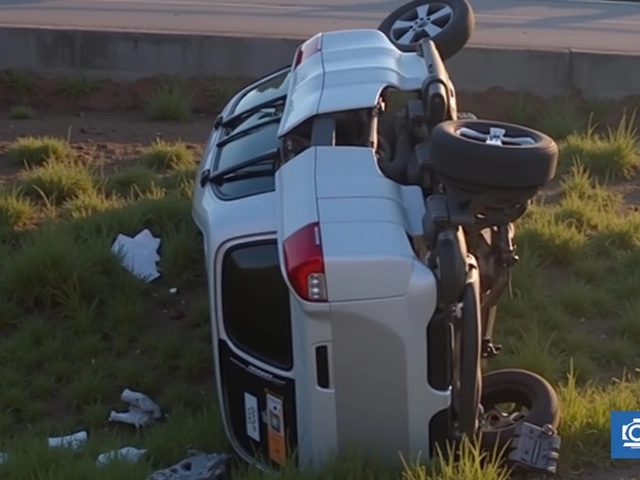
[75, 441]
[137, 419]
[127, 454]
[141, 401]
[139, 254]
[142, 410]
[173, 291]
[3, 457]
[197, 466]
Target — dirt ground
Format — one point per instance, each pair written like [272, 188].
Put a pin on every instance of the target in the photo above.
[65, 94]
[109, 124]
[111, 139]
[208, 95]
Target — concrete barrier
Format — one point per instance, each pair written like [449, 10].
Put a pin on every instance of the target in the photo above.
[126, 56]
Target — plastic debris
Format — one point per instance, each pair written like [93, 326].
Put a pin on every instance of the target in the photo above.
[75, 441]
[3, 457]
[173, 290]
[142, 410]
[137, 419]
[127, 454]
[141, 401]
[197, 466]
[139, 254]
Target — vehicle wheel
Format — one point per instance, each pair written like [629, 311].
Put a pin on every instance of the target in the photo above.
[530, 397]
[448, 23]
[493, 154]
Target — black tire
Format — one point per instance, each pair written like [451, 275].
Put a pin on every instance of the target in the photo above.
[525, 388]
[476, 163]
[450, 40]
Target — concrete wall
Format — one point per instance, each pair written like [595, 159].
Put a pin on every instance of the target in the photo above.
[124, 56]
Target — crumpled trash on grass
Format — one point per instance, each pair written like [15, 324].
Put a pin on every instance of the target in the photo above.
[127, 454]
[3, 457]
[142, 410]
[197, 466]
[139, 254]
[74, 441]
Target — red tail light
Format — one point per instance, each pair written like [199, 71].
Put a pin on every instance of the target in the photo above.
[304, 263]
[308, 49]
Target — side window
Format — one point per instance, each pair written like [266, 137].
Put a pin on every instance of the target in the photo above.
[256, 143]
[259, 142]
[255, 303]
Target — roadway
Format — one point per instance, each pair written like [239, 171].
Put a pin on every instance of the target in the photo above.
[541, 24]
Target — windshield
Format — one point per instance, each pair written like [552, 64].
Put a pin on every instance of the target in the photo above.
[254, 121]
[263, 92]
[253, 135]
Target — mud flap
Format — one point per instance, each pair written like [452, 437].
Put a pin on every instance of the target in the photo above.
[534, 448]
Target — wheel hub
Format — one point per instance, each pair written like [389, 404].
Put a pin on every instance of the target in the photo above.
[497, 420]
[496, 136]
[425, 21]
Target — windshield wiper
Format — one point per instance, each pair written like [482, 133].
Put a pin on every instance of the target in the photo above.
[223, 175]
[247, 131]
[240, 115]
[263, 172]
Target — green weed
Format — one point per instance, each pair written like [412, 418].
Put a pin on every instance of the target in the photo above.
[21, 112]
[35, 151]
[164, 155]
[171, 103]
[78, 85]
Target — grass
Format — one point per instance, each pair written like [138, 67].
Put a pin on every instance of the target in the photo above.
[56, 183]
[560, 120]
[164, 155]
[134, 180]
[35, 151]
[171, 102]
[77, 85]
[220, 92]
[519, 111]
[16, 211]
[76, 328]
[614, 154]
[19, 82]
[21, 112]
[597, 108]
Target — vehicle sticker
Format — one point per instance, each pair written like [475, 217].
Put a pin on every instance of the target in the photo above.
[275, 428]
[252, 416]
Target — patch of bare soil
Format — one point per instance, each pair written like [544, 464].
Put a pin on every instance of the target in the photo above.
[53, 93]
[106, 127]
[207, 92]
[111, 139]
